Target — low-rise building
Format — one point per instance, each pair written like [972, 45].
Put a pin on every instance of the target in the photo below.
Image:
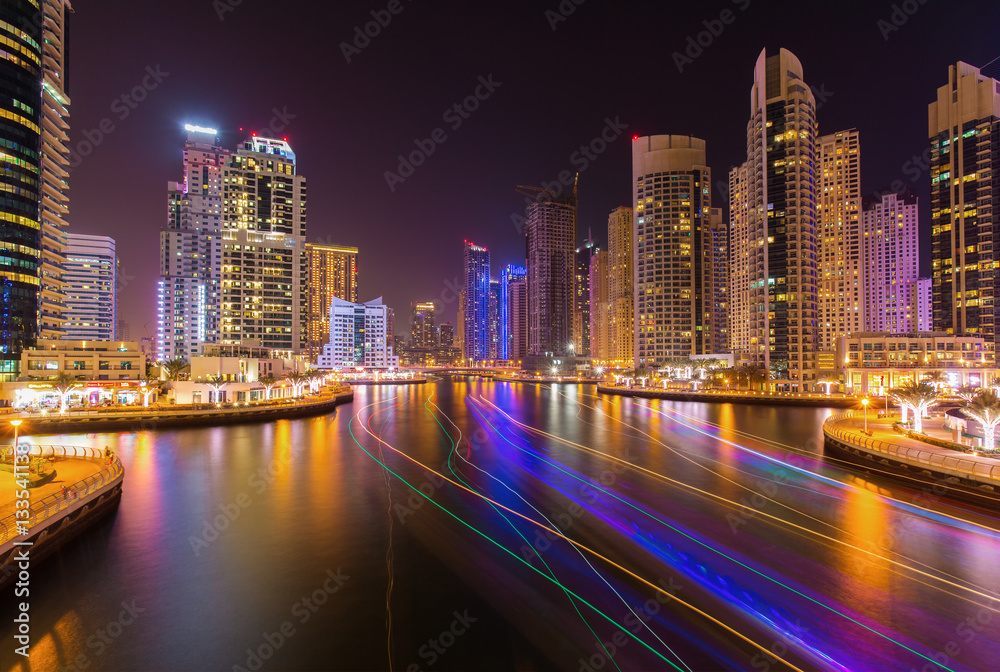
[872, 362]
[105, 371]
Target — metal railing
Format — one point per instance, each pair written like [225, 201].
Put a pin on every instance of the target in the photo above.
[45, 508]
[858, 439]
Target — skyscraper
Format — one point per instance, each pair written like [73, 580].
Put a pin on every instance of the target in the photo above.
[494, 337]
[460, 323]
[332, 272]
[964, 130]
[890, 254]
[191, 251]
[773, 269]
[91, 289]
[621, 283]
[476, 314]
[674, 232]
[838, 238]
[422, 331]
[21, 98]
[513, 313]
[600, 309]
[263, 247]
[716, 287]
[550, 231]
[358, 336]
[446, 335]
[55, 164]
[581, 300]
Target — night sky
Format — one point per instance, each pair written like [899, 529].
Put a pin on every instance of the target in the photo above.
[236, 63]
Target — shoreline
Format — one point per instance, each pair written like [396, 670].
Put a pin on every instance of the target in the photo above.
[160, 418]
[819, 401]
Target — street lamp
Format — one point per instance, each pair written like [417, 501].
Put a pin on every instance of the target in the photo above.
[16, 423]
[864, 402]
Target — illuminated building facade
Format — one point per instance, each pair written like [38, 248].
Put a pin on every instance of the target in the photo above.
[263, 247]
[581, 301]
[55, 164]
[332, 272]
[838, 235]
[513, 313]
[964, 130]
[550, 231]
[358, 336]
[422, 331]
[494, 319]
[773, 266]
[476, 313]
[621, 288]
[20, 118]
[91, 288]
[189, 292]
[893, 290]
[600, 309]
[673, 231]
[716, 284]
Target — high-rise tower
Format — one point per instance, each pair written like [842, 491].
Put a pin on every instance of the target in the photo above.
[890, 255]
[673, 238]
[91, 288]
[263, 247]
[964, 130]
[55, 164]
[550, 236]
[838, 238]
[476, 314]
[21, 79]
[191, 251]
[773, 269]
[331, 272]
[513, 313]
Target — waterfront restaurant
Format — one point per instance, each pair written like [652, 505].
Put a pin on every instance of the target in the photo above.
[873, 362]
[108, 372]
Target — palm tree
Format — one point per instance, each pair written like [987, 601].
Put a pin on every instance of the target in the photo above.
[268, 382]
[216, 383]
[150, 385]
[935, 378]
[967, 392]
[175, 368]
[63, 383]
[828, 380]
[297, 380]
[985, 409]
[753, 373]
[916, 396]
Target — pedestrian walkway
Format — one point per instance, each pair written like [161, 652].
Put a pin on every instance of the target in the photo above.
[69, 470]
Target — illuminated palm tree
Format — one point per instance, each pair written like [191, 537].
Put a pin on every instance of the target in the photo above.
[935, 378]
[754, 373]
[150, 385]
[967, 392]
[828, 380]
[268, 382]
[63, 384]
[985, 409]
[297, 380]
[918, 397]
[216, 383]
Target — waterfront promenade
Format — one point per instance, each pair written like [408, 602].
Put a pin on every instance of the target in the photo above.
[734, 396]
[847, 432]
[160, 417]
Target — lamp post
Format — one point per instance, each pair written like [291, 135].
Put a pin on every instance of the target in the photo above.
[16, 424]
[864, 402]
